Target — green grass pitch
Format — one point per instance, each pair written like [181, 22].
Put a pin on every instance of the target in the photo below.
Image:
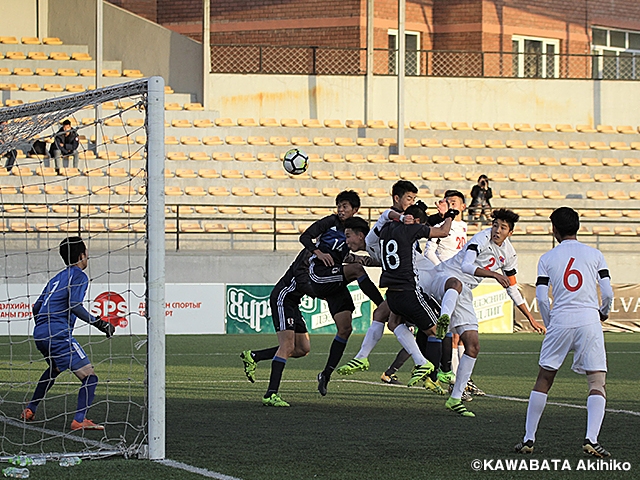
[364, 429]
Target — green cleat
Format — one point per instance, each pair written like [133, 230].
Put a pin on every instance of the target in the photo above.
[274, 401]
[524, 447]
[250, 365]
[420, 372]
[456, 406]
[447, 377]
[434, 387]
[355, 365]
[442, 327]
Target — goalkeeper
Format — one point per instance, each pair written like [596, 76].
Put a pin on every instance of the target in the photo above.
[55, 313]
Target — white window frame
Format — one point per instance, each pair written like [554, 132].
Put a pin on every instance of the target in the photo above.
[393, 32]
[545, 42]
[602, 50]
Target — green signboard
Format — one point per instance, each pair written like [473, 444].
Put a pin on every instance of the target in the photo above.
[248, 311]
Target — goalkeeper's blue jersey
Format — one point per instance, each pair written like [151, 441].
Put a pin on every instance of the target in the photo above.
[52, 311]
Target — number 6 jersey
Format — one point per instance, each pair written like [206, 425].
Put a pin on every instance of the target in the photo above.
[573, 270]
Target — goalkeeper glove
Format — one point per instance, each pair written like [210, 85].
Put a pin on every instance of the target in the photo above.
[104, 327]
[451, 213]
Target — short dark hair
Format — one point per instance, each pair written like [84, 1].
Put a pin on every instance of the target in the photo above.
[566, 221]
[357, 224]
[454, 193]
[350, 196]
[66, 122]
[416, 212]
[403, 186]
[71, 248]
[483, 177]
[506, 215]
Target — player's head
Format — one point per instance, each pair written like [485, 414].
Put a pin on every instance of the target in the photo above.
[455, 199]
[66, 125]
[565, 221]
[74, 252]
[348, 203]
[417, 212]
[356, 229]
[404, 194]
[504, 221]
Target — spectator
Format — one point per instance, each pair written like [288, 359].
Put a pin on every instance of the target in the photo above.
[481, 194]
[10, 154]
[65, 145]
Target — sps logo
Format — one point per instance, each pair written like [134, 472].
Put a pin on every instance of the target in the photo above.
[111, 307]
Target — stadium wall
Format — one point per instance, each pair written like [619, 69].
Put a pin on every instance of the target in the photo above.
[433, 99]
[20, 19]
[137, 42]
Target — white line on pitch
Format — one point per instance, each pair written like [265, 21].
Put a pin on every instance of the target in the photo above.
[200, 471]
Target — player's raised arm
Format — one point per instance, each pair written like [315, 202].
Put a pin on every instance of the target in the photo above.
[443, 230]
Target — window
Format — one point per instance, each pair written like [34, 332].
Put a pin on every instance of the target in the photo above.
[616, 54]
[535, 57]
[412, 58]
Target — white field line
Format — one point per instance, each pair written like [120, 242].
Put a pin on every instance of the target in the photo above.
[200, 471]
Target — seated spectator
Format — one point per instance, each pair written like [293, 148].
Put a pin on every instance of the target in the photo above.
[65, 145]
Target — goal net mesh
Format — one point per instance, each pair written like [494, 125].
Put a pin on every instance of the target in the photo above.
[99, 195]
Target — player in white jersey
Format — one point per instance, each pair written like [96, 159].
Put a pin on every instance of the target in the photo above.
[489, 254]
[573, 269]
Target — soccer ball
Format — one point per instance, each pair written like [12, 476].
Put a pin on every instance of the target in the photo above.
[295, 161]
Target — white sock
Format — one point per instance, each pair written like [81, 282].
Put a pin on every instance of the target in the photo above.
[454, 361]
[537, 402]
[371, 339]
[595, 415]
[460, 350]
[449, 300]
[408, 341]
[462, 377]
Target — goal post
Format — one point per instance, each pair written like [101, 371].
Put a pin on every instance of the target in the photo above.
[112, 195]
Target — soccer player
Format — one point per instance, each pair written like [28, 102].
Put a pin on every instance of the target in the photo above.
[329, 278]
[405, 298]
[573, 270]
[55, 313]
[489, 254]
[293, 337]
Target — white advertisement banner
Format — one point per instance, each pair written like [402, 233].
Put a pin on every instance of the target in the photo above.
[189, 308]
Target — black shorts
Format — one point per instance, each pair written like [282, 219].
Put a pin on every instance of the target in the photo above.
[285, 305]
[414, 306]
[329, 284]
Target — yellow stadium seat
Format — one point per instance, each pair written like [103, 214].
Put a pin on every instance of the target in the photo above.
[269, 122]
[484, 160]
[439, 126]
[186, 173]
[418, 125]
[203, 123]
[507, 161]
[453, 176]
[411, 176]
[502, 127]
[110, 73]
[605, 129]
[321, 175]
[532, 194]
[313, 123]
[279, 141]
[464, 126]
[599, 146]
[612, 162]
[344, 142]
[432, 176]
[481, 126]
[323, 141]
[515, 144]
[528, 161]
[452, 143]
[310, 192]
[498, 177]
[287, 192]
[257, 140]
[523, 127]
[366, 142]
[441, 160]
[627, 129]
[420, 159]
[544, 127]
[265, 192]
[377, 192]
[354, 124]
[267, 157]
[301, 141]
[376, 158]
[518, 177]
[619, 146]
[290, 122]
[193, 107]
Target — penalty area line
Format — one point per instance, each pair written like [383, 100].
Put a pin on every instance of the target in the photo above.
[200, 471]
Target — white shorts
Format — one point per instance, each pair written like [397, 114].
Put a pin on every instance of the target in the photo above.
[587, 343]
[464, 316]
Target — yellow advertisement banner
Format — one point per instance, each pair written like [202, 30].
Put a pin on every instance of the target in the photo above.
[494, 308]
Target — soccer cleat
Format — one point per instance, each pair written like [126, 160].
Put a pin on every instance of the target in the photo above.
[250, 365]
[456, 406]
[85, 424]
[434, 387]
[274, 401]
[473, 389]
[322, 384]
[355, 365]
[594, 449]
[28, 415]
[447, 377]
[524, 447]
[442, 327]
[391, 379]
[420, 372]
[466, 397]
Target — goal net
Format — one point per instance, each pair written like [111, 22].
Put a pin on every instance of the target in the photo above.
[110, 192]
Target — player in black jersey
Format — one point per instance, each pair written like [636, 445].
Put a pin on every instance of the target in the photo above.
[399, 276]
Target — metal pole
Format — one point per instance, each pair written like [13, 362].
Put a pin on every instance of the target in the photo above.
[401, 58]
[206, 51]
[370, 52]
[98, 64]
[156, 268]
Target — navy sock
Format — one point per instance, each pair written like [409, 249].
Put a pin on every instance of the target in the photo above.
[370, 290]
[445, 361]
[265, 354]
[400, 359]
[335, 354]
[85, 396]
[277, 367]
[45, 383]
[421, 340]
[433, 353]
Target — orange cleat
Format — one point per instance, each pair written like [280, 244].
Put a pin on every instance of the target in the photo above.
[27, 415]
[86, 424]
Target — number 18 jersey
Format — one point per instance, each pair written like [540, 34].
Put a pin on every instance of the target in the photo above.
[573, 269]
